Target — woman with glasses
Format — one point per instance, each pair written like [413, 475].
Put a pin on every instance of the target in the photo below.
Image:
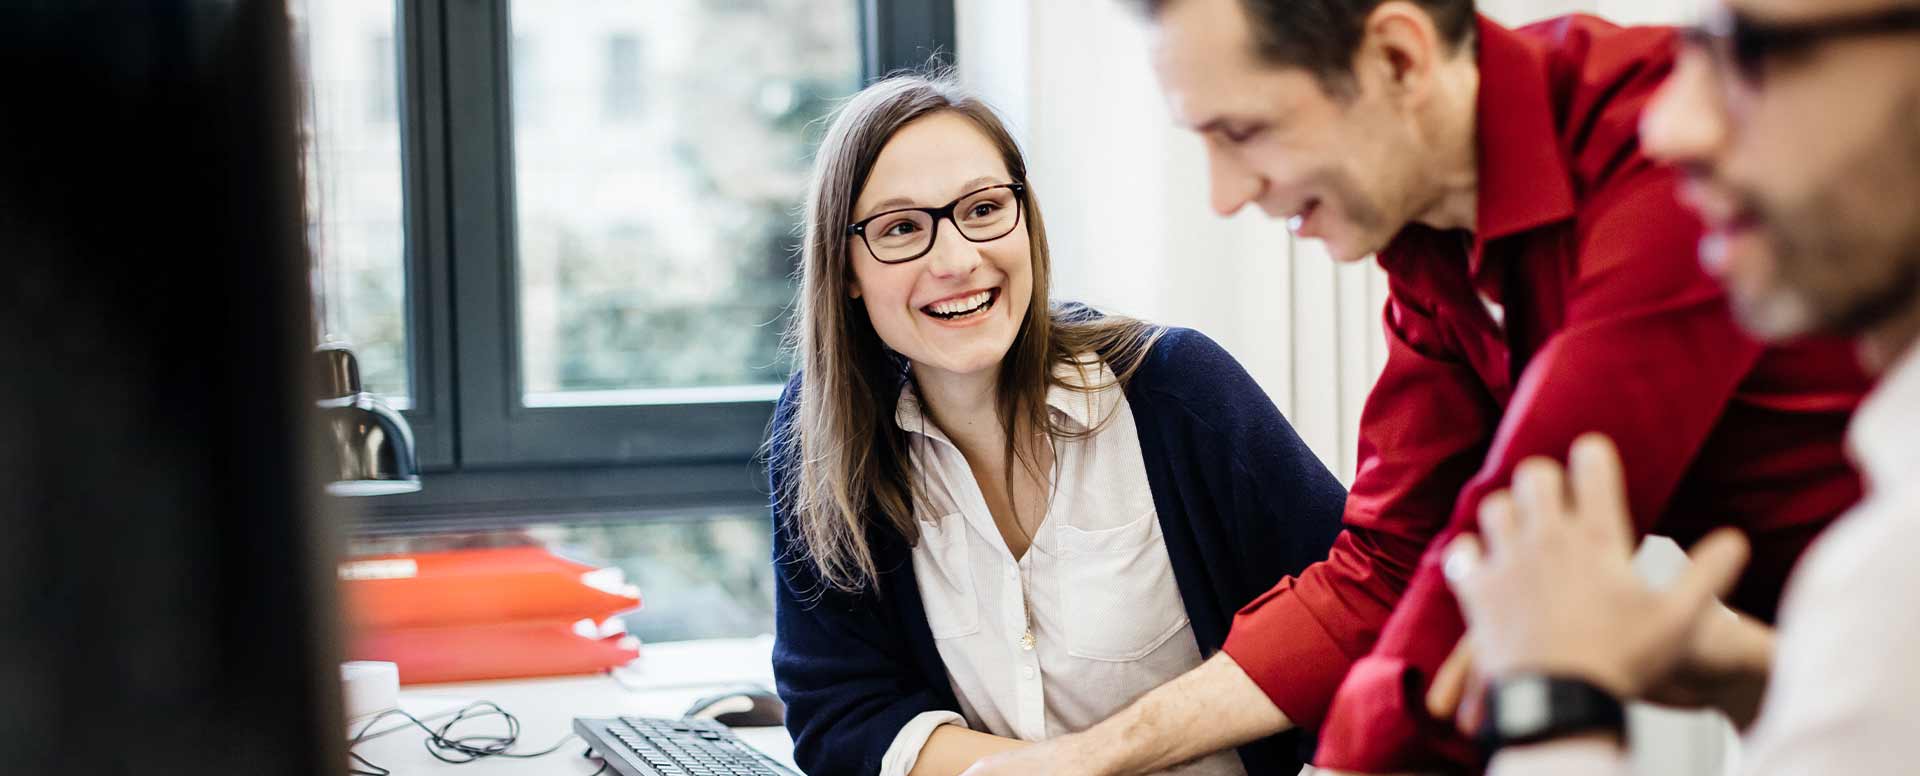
[999, 520]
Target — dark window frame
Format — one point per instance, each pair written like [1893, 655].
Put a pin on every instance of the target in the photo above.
[489, 461]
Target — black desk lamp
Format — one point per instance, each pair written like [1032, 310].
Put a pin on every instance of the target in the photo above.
[371, 442]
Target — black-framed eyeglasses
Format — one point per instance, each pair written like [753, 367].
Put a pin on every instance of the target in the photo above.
[1743, 46]
[981, 215]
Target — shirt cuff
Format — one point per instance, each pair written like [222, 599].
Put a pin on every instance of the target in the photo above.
[1561, 758]
[1376, 727]
[905, 751]
[1285, 650]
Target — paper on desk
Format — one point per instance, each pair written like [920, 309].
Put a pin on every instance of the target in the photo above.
[707, 662]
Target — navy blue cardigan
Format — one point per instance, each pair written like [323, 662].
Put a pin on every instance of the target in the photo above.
[1242, 502]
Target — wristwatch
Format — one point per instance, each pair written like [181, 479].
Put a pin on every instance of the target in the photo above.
[1529, 708]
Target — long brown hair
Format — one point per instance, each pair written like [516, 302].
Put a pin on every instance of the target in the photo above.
[847, 462]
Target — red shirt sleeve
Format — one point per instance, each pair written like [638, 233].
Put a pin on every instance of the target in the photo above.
[1648, 355]
[1298, 640]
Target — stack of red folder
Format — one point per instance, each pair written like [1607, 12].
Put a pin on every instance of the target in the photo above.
[487, 614]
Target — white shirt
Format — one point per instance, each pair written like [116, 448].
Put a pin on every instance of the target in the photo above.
[1844, 697]
[1108, 621]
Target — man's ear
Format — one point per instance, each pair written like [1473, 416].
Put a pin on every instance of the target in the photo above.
[1401, 43]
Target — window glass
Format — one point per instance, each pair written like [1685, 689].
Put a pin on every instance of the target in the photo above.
[356, 205]
[660, 156]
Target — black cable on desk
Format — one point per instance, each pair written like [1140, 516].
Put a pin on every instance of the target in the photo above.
[449, 748]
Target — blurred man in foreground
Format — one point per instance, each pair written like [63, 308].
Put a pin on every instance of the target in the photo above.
[1795, 124]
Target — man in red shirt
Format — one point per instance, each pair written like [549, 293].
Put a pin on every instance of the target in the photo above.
[1543, 284]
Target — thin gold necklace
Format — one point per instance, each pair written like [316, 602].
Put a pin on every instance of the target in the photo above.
[1027, 640]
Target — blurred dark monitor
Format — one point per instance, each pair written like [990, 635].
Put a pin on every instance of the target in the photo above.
[164, 576]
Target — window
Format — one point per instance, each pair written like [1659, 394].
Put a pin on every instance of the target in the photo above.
[384, 87]
[354, 191]
[655, 233]
[623, 84]
[528, 110]
[559, 234]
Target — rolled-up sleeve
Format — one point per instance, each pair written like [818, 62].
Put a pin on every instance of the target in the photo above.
[905, 751]
[1423, 432]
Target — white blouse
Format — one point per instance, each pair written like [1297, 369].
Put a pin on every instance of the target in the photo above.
[1107, 617]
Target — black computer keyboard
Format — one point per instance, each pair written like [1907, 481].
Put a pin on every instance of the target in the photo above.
[646, 746]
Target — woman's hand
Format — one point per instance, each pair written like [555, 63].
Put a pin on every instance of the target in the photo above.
[1062, 756]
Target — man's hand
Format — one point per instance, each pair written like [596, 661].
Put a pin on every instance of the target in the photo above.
[1456, 692]
[1556, 591]
[1725, 667]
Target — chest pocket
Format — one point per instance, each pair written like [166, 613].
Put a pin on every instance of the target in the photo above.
[1117, 584]
[943, 570]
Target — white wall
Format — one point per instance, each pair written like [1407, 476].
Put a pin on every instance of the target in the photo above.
[1125, 196]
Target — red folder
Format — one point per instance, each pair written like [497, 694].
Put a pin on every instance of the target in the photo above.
[501, 651]
[492, 613]
[479, 586]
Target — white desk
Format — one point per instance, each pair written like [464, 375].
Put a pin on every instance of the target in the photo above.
[666, 678]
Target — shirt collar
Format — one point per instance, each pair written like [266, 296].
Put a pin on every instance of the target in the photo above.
[1089, 393]
[1524, 182]
[1080, 408]
[1882, 436]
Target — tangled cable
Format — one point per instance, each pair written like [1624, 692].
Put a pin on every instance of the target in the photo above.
[458, 749]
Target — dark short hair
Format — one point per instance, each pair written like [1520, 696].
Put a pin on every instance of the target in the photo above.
[1323, 35]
